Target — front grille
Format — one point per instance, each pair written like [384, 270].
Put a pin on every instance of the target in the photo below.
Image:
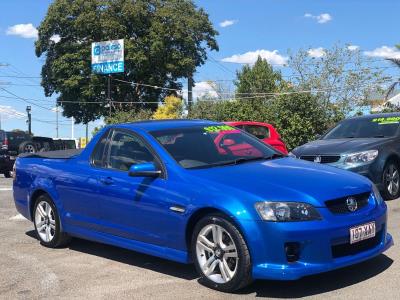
[351, 249]
[324, 159]
[339, 206]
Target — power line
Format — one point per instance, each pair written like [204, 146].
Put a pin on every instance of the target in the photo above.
[25, 100]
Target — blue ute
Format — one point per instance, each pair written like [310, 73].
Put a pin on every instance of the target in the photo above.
[206, 193]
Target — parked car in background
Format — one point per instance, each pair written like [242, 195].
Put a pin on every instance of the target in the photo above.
[165, 189]
[6, 161]
[64, 144]
[13, 143]
[368, 145]
[263, 131]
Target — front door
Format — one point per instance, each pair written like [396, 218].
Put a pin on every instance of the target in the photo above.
[133, 207]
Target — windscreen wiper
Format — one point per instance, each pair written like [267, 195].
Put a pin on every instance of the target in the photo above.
[246, 159]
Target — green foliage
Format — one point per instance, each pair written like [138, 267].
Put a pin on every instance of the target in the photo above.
[259, 78]
[299, 117]
[164, 40]
[171, 109]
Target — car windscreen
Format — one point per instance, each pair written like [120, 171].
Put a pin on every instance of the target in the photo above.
[365, 128]
[210, 146]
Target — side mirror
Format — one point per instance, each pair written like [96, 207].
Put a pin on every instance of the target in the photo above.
[148, 169]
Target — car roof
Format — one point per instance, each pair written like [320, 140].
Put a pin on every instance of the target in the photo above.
[152, 125]
[373, 116]
[233, 123]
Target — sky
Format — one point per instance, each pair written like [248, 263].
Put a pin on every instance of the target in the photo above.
[247, 28]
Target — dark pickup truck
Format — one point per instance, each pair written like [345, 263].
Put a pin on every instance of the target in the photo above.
[13, 143]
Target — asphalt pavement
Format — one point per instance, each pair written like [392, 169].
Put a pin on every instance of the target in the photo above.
[94, 271]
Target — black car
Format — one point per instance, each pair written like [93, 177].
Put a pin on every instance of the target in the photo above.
[368, 145]
[13, 143]
[6, 161]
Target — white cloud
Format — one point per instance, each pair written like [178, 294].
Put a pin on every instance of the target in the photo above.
[353, 47]
[203, 88]
[7, 112]
[26, 31]
[273, 57]
[227, 23]
[321, 19]
[55, 38]
[316, 52]
[384, 52]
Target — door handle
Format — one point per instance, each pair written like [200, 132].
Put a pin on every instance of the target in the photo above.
[107, 180]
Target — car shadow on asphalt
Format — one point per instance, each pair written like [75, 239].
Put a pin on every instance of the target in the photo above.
[321, 283]
[307, 286]
[129, 257]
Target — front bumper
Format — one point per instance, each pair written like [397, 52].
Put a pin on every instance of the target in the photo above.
[317, 240]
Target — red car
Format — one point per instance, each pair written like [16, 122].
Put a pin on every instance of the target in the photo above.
[265, 132]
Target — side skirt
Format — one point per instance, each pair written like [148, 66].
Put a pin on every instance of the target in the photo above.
[150, 249]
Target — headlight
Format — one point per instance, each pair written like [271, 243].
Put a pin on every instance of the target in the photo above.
[290, 154]
[377, 195]
[287, 211]
[361, 157]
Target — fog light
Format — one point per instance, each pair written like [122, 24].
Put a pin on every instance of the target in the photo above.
[292, 251]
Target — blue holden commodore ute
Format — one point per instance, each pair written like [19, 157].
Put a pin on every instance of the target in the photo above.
[206, 193]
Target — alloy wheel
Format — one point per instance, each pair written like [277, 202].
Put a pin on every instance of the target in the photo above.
[29, 149]
[392, 180]
[216, 253]
[45, 221]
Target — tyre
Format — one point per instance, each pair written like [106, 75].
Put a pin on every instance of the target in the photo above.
[220, 254]
[7, 174]
[27, 147]
[47, 223]
[391, 180]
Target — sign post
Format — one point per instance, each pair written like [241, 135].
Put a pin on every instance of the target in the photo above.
[108, 58]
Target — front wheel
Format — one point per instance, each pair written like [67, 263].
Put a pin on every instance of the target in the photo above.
[391, 180]
[47, 223]
[7, 174]
[220, 254]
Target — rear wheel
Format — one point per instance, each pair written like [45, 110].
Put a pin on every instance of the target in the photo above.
[391, 180]
[220, 254]
[7, 174]
[47, 223]
[27, 147]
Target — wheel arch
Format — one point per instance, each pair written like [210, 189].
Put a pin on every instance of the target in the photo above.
[201, 213]
[35, 195]
[393, 156]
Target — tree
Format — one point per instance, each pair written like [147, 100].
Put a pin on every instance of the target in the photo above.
[171, 109]
[340, 75]
[393, 86]
[257, 79]
[299, 117]
[164, 40]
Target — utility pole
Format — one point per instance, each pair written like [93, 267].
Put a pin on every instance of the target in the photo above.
[190, 92]
[72, 128]
[109, 93]
[28, 111]
[87, 132]
[57, 120]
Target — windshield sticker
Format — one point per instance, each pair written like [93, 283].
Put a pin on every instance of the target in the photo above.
[218, 128]
[388, 120]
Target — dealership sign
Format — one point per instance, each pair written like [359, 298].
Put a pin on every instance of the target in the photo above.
[108, 57]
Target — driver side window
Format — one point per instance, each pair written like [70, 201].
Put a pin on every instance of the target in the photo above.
[126, 150]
